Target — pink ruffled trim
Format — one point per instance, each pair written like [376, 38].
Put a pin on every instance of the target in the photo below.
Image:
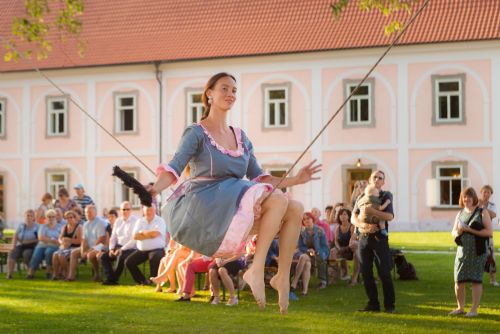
[166, 168]
[236, 236]
[239, 151]
[258, 178]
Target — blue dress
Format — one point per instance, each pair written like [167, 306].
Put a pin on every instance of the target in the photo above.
[212, 212]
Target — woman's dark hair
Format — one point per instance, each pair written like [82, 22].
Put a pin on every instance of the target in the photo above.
[113, 212]
[63, 192]
[469, 191]
[210, 85]
[341, 211]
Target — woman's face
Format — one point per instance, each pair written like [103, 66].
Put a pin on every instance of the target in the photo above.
[468, 200]
[344, 217]
[51, 218]
[485, 195]
[29, 217]
[308, 222]
[223, 94]
[71, 219]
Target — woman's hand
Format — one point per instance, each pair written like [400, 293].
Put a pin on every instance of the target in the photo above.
[151, 189]
[257, 207]
[308, 172]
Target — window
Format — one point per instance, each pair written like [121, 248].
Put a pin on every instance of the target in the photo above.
[57, 116]
[3, 120]
[448, 99]
[56, 180]
[194, 106]
[124, 193]
[125, 113]
[359, 109]
[447, 184]
[276, 106]
[278, 172]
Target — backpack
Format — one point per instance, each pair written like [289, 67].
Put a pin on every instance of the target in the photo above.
[405, 269]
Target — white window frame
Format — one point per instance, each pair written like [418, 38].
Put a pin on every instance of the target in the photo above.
[436, 119]
[120, 189]
[348, 85]
[434, 184]
[51, 112]
[190, 105]
[53, 187]
[119, 108]
[3, 117]
[276, 102]
[270, 169]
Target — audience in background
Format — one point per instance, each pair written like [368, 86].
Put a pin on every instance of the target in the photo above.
[24, 242]
[69, 240]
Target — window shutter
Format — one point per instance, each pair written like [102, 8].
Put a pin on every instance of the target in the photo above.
[432, 192]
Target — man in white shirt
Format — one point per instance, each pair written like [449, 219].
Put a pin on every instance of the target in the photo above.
[121, 245]
[150, 237]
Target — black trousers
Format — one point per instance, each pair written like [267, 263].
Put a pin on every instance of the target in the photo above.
[138, 257]
[375, 247]
[107, 264]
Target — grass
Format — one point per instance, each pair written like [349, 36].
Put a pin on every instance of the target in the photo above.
[42, 306]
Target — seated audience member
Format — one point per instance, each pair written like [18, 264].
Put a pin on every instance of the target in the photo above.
[222, 270]
[346, 246]
[46, 205]
[81, 198]
[150, 236]
[69, 240]
[168, 264]
[273, 254]
[60, 216]
[94, 238]
[199, 264]
[64, 202]
[121, 243]
[48, 243]
[323, 224]
[312, 245]
[24, 241]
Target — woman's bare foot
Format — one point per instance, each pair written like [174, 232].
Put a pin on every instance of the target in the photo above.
[155, 280]
[158, 288]
[283, 288]
[256, 283]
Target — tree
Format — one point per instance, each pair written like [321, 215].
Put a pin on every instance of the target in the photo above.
[386, 7]
[41, 17]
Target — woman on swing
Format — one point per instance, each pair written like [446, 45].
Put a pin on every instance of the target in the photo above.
[215, 210]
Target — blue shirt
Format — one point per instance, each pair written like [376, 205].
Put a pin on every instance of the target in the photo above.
[93, 230]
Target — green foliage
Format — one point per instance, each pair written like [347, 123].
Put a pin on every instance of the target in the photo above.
[34, 27]
[385, 7]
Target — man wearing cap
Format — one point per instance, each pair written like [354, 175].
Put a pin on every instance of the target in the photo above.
[81, 198]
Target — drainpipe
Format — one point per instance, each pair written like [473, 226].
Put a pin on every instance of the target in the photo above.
[158, 74]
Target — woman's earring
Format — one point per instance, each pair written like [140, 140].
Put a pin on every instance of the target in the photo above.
[210, 100]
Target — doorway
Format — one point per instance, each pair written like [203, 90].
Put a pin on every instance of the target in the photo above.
[353, 174]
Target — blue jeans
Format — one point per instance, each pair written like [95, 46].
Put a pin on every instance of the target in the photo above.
[40, 253]
[375, 247]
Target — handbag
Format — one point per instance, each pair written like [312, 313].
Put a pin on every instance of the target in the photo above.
[458, 240]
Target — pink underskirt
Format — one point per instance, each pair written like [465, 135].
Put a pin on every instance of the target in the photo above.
[236, 236]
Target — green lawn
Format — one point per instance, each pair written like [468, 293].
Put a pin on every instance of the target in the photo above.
[42, 306]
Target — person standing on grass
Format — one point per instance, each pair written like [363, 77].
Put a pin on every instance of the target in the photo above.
[471, 231]
[485, 203]
[374, 246]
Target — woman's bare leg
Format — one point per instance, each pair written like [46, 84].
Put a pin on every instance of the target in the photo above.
[273, 211]
[162, 270]
[288, 238]
[460, 294]
[306, 276]
[299, 270]
[214, 284]
[477, 291]
[227, 281]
